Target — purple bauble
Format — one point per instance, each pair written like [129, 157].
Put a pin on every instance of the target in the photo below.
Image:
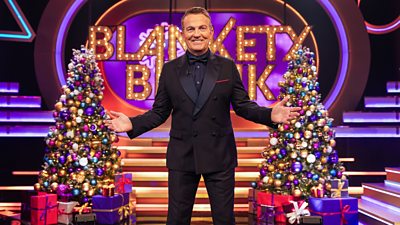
[263, 172]
[62, 159]
[297, 167]
[317, 154]
[47, 150]
[283, 152]
[309, 175]
[65, 115]
[269, 160]
[99, 172]
[334, 159]
[313, 117]
[286, 126]
[316, 145]
[53, 170]
[62, 189]
[274, 157]
[288, 184]
[296, 182]
[70, 170]
[301, 112]
[339, 174]
[89, 111]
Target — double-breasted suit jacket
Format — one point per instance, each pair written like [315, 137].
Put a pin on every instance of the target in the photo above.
[201, 135]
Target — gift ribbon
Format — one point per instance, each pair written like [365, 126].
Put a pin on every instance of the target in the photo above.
[124, 211]
[342, 211]
[82, 208]
[317, 192]
[295, 216]
[337, 192]
[121, 183]
[62, 212]
[43, 215]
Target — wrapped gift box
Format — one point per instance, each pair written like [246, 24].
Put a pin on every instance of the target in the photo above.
[26, 205]
[110, 210]
[269, 199]
[335, 211]
[252, 197]
[123, 183]
[340, 188]
[44, 209]
[295, 210]
[65, 212]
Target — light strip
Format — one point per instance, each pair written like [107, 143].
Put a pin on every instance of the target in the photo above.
[374, 217]
[22, 20]
[392, 183]
[364, 173]
[382, 204]
[62, 31]
[382, 191]
[392, 171]
[344, 50]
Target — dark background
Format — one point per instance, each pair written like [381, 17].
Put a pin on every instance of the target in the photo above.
[17, 65]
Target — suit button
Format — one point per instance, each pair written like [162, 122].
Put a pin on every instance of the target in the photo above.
[214, 133]
[213, 117]
[215, 98]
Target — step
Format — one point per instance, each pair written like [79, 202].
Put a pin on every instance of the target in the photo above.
[393, 87]
[371, 117]
[155, 162]
[377, 211]
[9, 87]
[393, 174]
[367, 132]
[20, 101]
[382, 102]
[27, 116]
[24, 131]
[388, 194]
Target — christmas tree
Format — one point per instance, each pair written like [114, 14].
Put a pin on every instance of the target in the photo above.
[79, 157]
[301, 153]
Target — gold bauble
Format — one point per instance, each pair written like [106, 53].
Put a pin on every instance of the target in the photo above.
[67, 91]
[281, 129]
[342, 168]
[36, 187]
[307, 134]
[58, 144]
[309, 77]
[54, 177]
[90, 192]
[100, 97]
[44, 174]
[326, 128]
[281, 166]
[77, 139]
[115, 166]
[88, 100]
[73, 109]
[69, 158]
[312, 108]
[70, 102]
[68, 124]
[62, 173]
[324, 170]
[58, 106]
[328, 186]
[100, 122]
[296, 193]
[86, 79]
[290, 177]
[297, 135]
[114, 156]
[306, 98]
[77, 103]
[73, 123]
[314, 93]
[310, 126]
[303, 153]
[278, 183]
[277, 151]
[271, 152]
[80, 178]
[54, 186]
[85, 186]
[332, 143]
[293, 155]
[60, 137]
[108, 164]
[324, 159]
[266, 179]
[271, 168]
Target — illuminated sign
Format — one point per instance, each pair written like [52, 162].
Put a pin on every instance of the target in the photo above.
[133, 53]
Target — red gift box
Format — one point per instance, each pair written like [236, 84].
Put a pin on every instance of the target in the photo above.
[266, 198]
[44, 209]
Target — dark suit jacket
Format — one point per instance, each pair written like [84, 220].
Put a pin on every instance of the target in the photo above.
[201, 136]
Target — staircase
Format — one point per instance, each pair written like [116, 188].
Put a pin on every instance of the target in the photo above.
[381, 201]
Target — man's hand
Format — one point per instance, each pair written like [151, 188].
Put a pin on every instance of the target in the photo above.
[283, 114]
[119, 122]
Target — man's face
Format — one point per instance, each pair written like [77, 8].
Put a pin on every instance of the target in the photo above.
[197, 32]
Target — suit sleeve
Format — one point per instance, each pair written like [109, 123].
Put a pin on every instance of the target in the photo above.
[244, 107]
[157, 115]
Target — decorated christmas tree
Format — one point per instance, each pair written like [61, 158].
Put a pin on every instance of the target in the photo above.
[301, 153]
[79, 157]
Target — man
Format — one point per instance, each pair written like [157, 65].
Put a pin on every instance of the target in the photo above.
[198, 88]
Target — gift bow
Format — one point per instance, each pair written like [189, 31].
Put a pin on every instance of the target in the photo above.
[83, 207]
[125, 210]
[295, 215]
[337, 193]
[317, 191]
[121, 183]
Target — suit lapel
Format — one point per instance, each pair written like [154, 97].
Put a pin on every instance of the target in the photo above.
[186, 80]
[208, 83]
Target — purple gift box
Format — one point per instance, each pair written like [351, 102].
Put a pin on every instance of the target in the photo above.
[335, 211]
[123, 183]
[340, 188]
[110, 210]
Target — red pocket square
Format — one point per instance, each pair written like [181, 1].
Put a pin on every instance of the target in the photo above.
[221, 81]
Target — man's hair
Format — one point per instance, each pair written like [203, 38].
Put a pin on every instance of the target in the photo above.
[196, 10]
